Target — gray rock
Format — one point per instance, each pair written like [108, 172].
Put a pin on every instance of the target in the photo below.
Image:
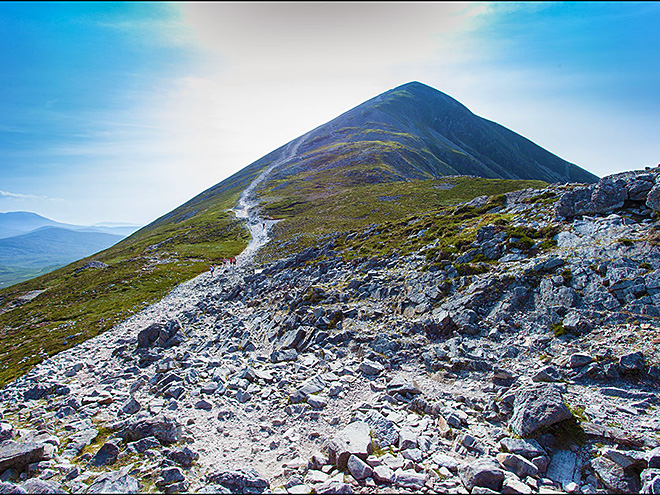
[132, 406]
[402, 386]
[334, 487]
[409, 479]
[312, 386]
[627, 459]
[283, 355]
[115, 482]
[526, 448]
[483, 472]
[184, 457]
[243, 396]
[369, 367]
[6, 488]
[574, 203]
[653, 458]
[537, 406]
[106, 455]
[562, 467]
[36, 485]
[6, 432]
[547, 374]
[317, 402]
[517, 464]
[614, 477]
[579, 360]
[209, 388]
[18, 455]
[203, 404]
[384, 430]
[383, 475]
[291, 339]
[358, 468]
[577, 323]
[444, 460]
[514, 486]
[407, 438]
[245, 480]
[632, 363]
[608, 195]
[166, 430]
[653, 198]
[144, 444]
[413, 454]
[169, 476]
[159, 335]
[638, 188]
[354, 439]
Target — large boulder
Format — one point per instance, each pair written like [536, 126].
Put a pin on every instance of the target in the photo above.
[537, 406]
[106, 455]
[160, 335]
[6, 488]
[18, 455]
[166, 430]
[608, 195]
[574, 203]
[36, 485]
[483, 472]
[526, 448]
[354, 439]
[653, 198]
[245, 480]
[115, 482]
[385, 431]
[614, 477]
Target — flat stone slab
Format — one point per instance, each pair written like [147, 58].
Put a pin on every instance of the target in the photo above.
[19, 455]
[562, 468]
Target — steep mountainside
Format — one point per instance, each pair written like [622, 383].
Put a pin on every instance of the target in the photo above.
[385, 160]
[416, 132]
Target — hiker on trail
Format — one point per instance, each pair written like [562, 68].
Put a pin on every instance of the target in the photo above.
[212, 269]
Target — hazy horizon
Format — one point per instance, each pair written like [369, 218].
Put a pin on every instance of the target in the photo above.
[120, 112]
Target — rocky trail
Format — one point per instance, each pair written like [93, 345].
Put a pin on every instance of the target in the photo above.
[317, 374]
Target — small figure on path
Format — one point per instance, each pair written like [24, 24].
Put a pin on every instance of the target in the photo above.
[212, 269]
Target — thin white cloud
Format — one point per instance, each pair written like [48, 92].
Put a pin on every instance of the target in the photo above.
[24, 197]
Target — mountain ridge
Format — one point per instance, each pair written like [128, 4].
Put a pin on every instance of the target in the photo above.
[333, 186]
[445, 136]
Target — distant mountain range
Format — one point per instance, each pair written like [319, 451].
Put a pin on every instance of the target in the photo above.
[32, 245]
[21, 222]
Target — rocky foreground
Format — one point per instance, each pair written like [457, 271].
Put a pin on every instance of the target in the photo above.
[314, 374]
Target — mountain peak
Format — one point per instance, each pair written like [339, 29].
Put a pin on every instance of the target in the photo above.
[414, 131]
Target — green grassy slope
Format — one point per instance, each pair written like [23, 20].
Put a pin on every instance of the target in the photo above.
[76, 305]
[417, 132]
[308, 212]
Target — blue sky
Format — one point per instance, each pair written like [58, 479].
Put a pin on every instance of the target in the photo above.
[122, 111]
